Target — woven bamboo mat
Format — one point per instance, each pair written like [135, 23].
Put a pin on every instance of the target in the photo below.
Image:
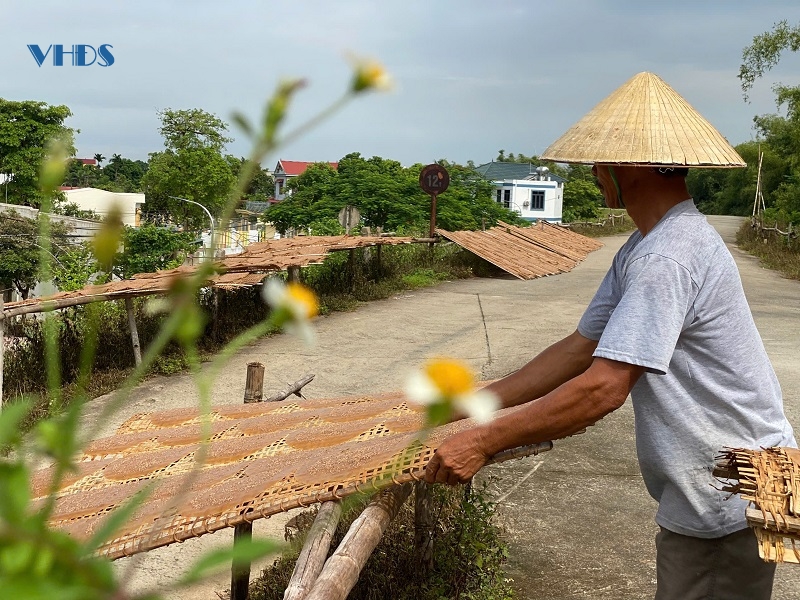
[527, 252]
[261, 459]
[770, 479]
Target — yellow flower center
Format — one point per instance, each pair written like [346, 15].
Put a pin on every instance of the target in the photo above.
[451, 377]
[304, 296]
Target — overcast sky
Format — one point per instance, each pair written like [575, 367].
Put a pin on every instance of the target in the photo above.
[471, 77]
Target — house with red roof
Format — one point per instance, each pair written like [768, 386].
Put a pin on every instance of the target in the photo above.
[286, 170]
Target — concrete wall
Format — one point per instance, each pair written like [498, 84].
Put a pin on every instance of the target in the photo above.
[101, 201]
[82, 230]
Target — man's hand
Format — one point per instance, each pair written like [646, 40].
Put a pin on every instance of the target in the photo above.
[457, 459]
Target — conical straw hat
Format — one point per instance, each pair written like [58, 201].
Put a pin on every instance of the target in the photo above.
[644, 122]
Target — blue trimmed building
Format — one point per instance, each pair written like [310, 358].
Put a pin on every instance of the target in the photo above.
[532, 192]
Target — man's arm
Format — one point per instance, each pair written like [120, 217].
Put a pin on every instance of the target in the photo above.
[549, 369]
[574, 405]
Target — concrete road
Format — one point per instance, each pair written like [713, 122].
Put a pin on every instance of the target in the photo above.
[578, 519]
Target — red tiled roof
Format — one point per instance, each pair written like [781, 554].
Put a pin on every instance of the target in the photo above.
[87, 161]
[296, 167]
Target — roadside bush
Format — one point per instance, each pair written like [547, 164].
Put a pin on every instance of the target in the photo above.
[775, 251]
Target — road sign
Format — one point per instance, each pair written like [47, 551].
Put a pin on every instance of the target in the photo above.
[434, 179]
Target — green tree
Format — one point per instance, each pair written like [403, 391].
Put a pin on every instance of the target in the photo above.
[780, 134]
[149, 248]
[260, 188]
[75, 267]
[192, 166]
[582, 200]
[765, 53]
[20, 251]
[312, 197]
[469, 202]
[25, 129]
[380, 188]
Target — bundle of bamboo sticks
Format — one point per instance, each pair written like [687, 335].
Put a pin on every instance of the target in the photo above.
[770, 480]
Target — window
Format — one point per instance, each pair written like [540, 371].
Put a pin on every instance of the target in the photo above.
[506, 198]
[499, 196]
[537, 199]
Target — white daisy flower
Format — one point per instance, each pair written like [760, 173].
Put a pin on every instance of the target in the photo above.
[369, 75]
[446, 386]
[293, 305]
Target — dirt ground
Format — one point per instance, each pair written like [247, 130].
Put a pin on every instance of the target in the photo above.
[578, 519]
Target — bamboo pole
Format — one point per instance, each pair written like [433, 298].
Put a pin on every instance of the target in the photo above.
[137, 351]
[48, 305]
[342, 569]
[315, 550]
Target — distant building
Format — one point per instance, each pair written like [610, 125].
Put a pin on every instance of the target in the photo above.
[286, 170]
[532, 192]
[101, 201]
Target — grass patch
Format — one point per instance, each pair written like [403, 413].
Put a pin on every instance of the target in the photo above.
[468, 554]
[774, 251]
[605, 225]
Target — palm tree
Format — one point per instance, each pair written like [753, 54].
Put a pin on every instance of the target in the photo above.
[99, 158]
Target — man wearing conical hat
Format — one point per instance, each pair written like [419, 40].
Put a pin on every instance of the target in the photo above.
[670, 326]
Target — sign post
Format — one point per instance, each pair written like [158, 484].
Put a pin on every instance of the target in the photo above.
[434, 180]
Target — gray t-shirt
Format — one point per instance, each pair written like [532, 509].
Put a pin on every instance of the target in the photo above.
[673, 303]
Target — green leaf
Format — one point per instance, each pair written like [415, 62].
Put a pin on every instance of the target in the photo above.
[16, 493]
[243, 123]
[242, 552]
[439, 413]
[16, 557]
[10, 419]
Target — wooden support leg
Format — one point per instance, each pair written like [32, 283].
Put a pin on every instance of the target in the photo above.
[240, 572]
[293, 274]
[137, 351]
[312, 557]
[341, 572]
[423, 527]
[351, 267]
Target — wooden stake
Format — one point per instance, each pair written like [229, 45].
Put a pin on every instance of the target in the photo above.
[423, 527]
[293, 274]
[341, 572]
[254, 385]
[315, 550]
[137, 351]
[240, 572]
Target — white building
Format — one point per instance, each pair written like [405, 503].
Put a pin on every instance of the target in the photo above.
[101, 201]
[532, 192]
